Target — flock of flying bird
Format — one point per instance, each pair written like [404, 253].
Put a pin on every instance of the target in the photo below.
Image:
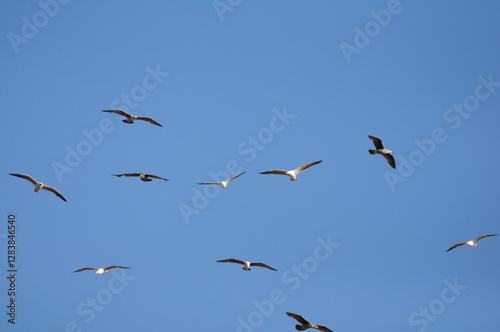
[304, 324]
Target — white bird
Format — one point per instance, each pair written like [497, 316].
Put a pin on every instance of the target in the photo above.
[471, 243]
[223, 184]
[144, 177]
[39, 185]
[306, 324]
[131, 118]
[381, 150]
[101, 270]
[293, 173]
[246, 265]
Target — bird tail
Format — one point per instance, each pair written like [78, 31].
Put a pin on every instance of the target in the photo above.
[301, 327]
[371, 151]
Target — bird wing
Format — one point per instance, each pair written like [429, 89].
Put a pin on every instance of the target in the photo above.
[482, 237]
[390, 160]
[85, 268]
[376, 141]
[306, 166]
[231, 260]
[120, 112]
[116, 267]
[145, 118]
[275, 171]
[263, 265]
[457, 245]
[211, 183]
[54, 190]
[127, 174]
[298, 318]
[234, 177]
[25, 176]
[155, 177]
[324, 328]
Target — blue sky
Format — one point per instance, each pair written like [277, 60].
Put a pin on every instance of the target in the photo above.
[252, 86]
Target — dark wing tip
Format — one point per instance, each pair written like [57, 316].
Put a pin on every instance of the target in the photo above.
[84, 269]
[391, 161]
[456, 245]
[298, 318]
[231, 260]
[24, 176]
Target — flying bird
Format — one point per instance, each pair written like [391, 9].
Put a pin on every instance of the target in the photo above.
[39, 185]
[471, 243]
[246, 265]
[293, 173]
[223, 184]
[379, 149]
[131, 118]
[101, 270]
[306, 324]
[144, 177]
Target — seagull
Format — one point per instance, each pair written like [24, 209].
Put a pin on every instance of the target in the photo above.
[293, 173]
[381, 150]
[144, 177]
[39, 185]
[307, 325]
[223, 184]
[101, 270]
[471, 243]
[131, 118]
[246, 265]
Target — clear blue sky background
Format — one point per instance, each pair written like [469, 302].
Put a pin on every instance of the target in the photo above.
[227, 73]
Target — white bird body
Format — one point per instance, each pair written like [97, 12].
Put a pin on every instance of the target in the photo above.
[294, 172]
[246, 265]
[292, 175]
[382, 151]
[143, 176]
[39, 185]
[379, 149]
[224, 183]
[471, 243]
[305, 324]
[131, 118]
[101, 270]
